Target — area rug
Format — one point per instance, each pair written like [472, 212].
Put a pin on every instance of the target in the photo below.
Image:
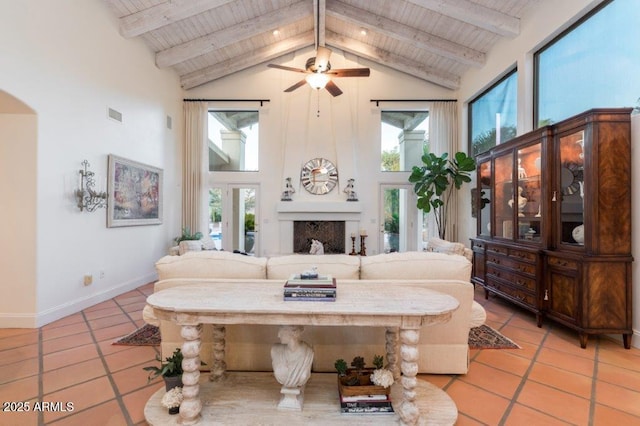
[483, 337]
[147, 335]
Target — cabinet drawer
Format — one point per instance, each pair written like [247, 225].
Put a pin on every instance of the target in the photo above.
[513, 278]
[562, 263]
[522, 255]
[520, 295]
[506, 262]
[498, 250]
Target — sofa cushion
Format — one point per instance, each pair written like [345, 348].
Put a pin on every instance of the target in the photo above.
[340, 266]
[415, 265]
[211, 264]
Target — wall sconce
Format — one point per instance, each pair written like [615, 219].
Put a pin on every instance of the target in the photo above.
[88, 198]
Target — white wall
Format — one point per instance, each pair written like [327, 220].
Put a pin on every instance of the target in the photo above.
[347, 133]
[67, 61]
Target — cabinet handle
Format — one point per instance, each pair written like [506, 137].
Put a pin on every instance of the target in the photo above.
[546, 295]
[554, 196]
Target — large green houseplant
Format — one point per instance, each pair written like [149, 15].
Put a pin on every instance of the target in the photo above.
[435, 181]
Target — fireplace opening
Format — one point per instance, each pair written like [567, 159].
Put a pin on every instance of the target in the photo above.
[329, 232]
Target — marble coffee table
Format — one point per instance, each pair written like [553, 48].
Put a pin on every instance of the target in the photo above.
[402, 309]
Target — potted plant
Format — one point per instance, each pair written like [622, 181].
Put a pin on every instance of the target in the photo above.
[341, 367]
[170, 370]
[435, 181]
[189, 241]
[363, 381]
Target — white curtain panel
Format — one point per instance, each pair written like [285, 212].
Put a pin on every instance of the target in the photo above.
[444, 137]
[195, 137]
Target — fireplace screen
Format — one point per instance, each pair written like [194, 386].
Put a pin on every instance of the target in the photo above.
[329, 232]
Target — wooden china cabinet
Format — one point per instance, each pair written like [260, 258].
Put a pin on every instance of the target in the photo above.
[554, 223]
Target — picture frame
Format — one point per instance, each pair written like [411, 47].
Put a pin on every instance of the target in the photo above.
[135, 193]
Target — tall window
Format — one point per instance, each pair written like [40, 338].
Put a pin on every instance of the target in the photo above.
[233, 141]
[594, 64]
[404, 138]
[492, 115]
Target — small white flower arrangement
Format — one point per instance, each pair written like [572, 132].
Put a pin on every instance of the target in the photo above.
[173, 398]
[382, 377]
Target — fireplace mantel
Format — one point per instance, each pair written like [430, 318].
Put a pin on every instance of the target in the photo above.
[319, 207]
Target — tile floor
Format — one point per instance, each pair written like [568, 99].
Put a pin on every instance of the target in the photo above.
[549, 381]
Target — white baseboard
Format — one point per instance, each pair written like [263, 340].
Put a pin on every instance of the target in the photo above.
[21, 320]
[9, 320]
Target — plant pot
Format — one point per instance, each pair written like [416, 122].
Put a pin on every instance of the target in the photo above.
[171, 382]
[365, 387]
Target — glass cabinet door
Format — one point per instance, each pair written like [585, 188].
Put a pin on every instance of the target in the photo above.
[571, 176]
[484, 197]
[504, 196]
[528, 197]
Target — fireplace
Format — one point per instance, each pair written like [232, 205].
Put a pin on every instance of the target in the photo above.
[331, 233]
[345, 215]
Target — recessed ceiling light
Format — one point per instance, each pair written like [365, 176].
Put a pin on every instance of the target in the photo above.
[276, 32]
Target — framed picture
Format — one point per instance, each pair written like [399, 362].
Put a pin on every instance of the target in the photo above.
[135, 193]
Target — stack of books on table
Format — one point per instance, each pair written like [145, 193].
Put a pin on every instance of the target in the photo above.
[321, 288]
[366, 404]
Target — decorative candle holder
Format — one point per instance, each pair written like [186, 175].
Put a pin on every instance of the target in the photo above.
[353, 246]
[363, 248]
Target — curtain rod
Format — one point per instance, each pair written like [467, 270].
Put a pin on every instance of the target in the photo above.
[228, 100]
[377, 101]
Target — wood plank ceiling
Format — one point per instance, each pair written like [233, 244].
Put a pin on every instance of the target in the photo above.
[434, 40]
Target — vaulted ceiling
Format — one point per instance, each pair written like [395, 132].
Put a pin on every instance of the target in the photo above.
[434, 40]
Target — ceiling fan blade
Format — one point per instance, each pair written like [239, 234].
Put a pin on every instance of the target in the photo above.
[295, 86]
[282, 67]
[333, 89]
[322, 58]
[350, 72]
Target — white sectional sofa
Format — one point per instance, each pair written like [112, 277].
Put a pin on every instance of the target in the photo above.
[443, 348]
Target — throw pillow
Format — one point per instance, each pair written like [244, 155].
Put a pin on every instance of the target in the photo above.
[207, 243]
[441, 246]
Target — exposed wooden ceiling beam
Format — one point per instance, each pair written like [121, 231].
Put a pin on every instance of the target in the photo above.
[398, 31]
[474, 14]
[392, 60]
[233, 34]
[319, 14]
[248, 60]
[164, 14]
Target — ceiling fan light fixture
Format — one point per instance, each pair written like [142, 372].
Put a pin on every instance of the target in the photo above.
[317, 80]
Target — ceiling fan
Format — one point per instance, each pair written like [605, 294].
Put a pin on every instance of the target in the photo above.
[319, 72]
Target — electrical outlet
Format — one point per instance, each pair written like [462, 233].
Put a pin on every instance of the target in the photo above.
[101, 274]
[88, 279]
